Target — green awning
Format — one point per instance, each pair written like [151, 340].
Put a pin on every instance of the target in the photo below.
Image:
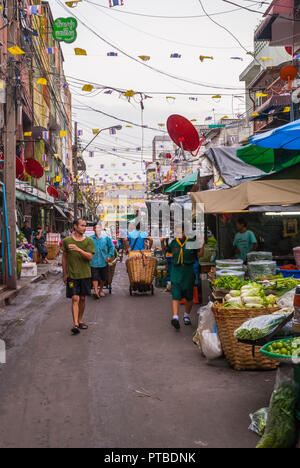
[181, 185]
[267, 159]
[25, 197]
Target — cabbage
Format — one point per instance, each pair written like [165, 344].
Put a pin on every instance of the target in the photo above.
[253, 300]
[235, 293]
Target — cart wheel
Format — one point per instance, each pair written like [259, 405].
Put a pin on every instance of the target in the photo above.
[130, 291]
[152, 290]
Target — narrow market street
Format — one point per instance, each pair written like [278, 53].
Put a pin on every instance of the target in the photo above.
[129, 381]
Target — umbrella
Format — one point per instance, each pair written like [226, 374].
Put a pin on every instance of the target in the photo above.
[285, 137]
[268, 159]
[181, 185]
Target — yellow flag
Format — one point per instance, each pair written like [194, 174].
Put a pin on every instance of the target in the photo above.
[287, 109]
[88, 88]
[73, 4]
[129, 93]
[42, 81]
[28, 134]
[16, 50]
[96, 131]
[57, 179]
[80, 51]
[63, 133]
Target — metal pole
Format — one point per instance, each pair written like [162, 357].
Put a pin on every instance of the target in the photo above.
[75, 162]
[10, 146]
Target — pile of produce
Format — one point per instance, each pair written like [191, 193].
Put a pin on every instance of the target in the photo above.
[229, 283]
[281, 429]
[250, 295]
[260, 327]
[259, 256]
[261, 268]
[285, 348]
[278, 284]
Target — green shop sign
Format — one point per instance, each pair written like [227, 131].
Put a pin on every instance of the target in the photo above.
[65, 30]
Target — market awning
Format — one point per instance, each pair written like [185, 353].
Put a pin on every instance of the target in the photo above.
[274, 105]
[60, 211]
[181, 185]
[285, 137]
[254, 193]
[267, 159]
[26, 197]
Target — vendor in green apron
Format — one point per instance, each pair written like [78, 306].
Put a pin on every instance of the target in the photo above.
[182, 275]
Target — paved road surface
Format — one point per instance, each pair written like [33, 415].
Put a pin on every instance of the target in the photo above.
[63, 391]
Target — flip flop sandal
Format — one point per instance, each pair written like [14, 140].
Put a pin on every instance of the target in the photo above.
[187, 321]
[175, 324]
[75, 331]
[83, 326]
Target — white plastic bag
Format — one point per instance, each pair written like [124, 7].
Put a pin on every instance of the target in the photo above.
[208, 338]
[287, 301]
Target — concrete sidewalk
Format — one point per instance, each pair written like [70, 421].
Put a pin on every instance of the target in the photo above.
[43, 271]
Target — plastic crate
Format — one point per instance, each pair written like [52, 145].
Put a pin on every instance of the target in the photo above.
[289, 273]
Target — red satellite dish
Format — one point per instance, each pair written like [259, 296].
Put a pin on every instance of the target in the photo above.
[183, 133]
[33, 168]
[52, 192]
[288, 73]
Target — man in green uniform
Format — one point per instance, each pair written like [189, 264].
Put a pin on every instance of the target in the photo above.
[78, 251]
[182, 275]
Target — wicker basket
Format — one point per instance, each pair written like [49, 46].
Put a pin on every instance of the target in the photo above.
[238, 355]
[141, 271]
[111, 271]
[53, 251]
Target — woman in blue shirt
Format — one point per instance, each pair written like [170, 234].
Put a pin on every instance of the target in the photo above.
[104, 251]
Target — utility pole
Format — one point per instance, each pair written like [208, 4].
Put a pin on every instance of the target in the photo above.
[10, 145]
[75, 163]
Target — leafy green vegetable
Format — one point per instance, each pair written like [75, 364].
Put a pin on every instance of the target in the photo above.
[229, 282]
[281, 429]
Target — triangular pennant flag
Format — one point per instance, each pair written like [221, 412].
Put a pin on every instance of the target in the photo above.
[16, 50]
[79, 51]
[63, 133]
[42, 81]
[88, 88]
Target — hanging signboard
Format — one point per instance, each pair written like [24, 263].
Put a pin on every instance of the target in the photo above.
[65, 30]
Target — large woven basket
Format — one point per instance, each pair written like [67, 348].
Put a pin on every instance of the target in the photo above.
[238, 355]
[111, 271]
[53, 251]
[141, 271]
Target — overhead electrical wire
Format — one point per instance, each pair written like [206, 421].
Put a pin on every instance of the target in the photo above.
[162, 16]
[205, 85]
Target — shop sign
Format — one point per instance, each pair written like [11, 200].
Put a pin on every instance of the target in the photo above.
[65, 30]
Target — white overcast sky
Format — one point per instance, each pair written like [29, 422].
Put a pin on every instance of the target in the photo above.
[159, 38]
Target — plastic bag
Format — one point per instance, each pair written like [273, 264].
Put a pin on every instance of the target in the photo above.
[207, 335]
[261, 268]
[287, 301]
[258, 256]
[281, 428]
[260, 327]
[259, 421]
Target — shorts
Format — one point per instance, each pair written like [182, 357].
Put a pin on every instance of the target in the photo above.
[178, 293]
[100, 274]
[78, 287]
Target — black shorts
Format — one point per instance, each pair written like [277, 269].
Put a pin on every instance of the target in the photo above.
[78, 287]
[100, 274]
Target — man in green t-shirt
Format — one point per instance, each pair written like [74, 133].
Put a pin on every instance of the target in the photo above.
[78, 251]
[244, 241]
